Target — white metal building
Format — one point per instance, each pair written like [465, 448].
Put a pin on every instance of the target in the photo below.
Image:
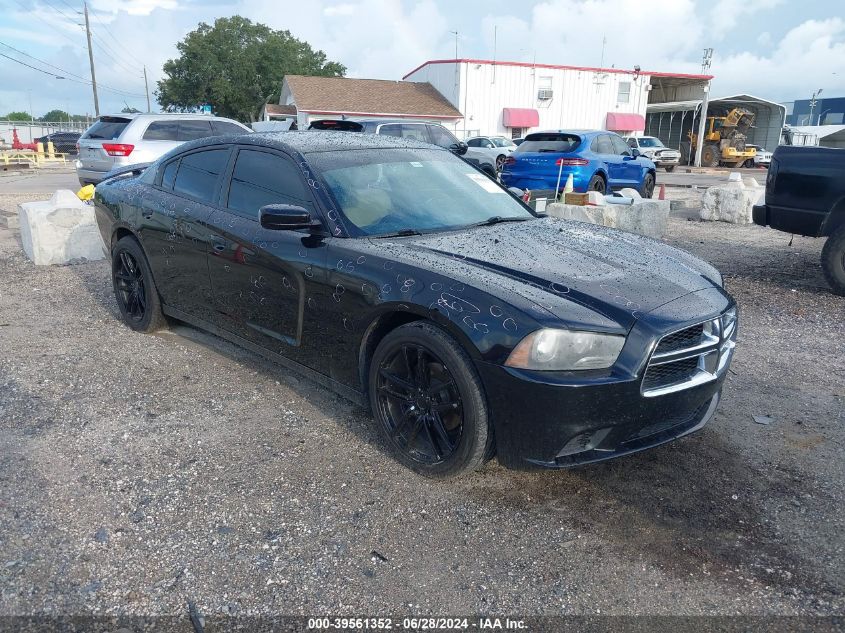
[515, 98]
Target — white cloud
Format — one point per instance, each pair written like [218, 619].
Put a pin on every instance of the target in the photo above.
[339, 10]
[727, 14]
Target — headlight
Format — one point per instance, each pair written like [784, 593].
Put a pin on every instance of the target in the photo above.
[558, 350]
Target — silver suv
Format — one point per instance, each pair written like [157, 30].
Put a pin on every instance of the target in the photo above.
[127, 139]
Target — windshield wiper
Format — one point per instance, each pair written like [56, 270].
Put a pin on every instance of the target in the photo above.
[400, 233]
[497, 219]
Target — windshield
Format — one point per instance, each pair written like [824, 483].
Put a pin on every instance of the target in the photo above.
[501, 141]
[383, 191]
[549, 142]
[650, 141]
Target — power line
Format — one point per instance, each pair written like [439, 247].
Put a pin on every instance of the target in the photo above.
[78, 80]
[114, 56]
[116, 41]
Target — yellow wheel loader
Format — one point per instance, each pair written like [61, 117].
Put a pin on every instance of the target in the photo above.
[724, 140]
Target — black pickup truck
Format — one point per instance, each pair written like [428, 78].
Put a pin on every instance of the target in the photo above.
[805, 195]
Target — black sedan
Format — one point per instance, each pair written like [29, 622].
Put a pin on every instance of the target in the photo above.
[400, 276]
[63, 142]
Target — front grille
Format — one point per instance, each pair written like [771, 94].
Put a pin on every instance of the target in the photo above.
[691, 356]
[670, 373]
[685, 417]
[687, 337]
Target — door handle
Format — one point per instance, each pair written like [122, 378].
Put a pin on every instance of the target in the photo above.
[218, 244]
[147, 214]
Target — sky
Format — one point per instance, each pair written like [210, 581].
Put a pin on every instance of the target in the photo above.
[776, 49]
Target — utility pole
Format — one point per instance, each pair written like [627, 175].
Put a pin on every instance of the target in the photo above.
[147, 88]
[91, 60]
[813, 105]
[702, 120]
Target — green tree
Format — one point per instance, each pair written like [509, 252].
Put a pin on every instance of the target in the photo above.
[18, 116]
[55, 115]
[130, 110]
[236, 66]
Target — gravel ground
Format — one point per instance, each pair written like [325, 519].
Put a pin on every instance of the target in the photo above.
[138, 472]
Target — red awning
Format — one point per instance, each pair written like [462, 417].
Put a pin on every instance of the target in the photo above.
[625, 122]
[520, 117]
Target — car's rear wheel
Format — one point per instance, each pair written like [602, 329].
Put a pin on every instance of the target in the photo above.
[647, 188]
[428, 400]
[134, 287]
[833, 261]
[597, 183]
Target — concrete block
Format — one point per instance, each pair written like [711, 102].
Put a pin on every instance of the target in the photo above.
[60, 230]
[646, 217]
[630, 192]
[732, 202]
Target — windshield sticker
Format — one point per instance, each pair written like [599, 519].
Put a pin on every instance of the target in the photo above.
[485, 183]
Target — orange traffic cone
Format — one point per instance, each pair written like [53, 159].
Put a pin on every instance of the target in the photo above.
[662, 194]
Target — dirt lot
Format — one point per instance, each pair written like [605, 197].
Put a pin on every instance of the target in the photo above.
[138, 472]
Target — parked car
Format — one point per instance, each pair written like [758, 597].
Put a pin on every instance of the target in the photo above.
[653, 148]
[433, 133]
[518, 141]
[498, 148]
[63, 142]
[398, 275]
[805, 195]
[763, 157]
[598, 161]
[124, 139]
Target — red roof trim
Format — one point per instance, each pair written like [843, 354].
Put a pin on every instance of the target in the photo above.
[383, 114]
[555, 66]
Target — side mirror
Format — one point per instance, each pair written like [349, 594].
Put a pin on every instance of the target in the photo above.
[459, 148]
[285, 217]
[635, 152]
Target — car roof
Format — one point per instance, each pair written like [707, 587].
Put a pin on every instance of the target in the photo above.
[166, 115]
[380, 121]
[576, 132]
[311, 141]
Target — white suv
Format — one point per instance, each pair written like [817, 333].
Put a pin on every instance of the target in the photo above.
[126, 139]
[653, 148]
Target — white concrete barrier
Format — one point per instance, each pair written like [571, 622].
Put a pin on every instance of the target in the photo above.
[60, 230]
[646, 217]
[732, 202]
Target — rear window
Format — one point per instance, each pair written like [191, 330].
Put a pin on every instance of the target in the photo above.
[549, 142]
[332, 124]
[107, 128]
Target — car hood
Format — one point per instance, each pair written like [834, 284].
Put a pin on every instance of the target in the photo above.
[557, 263]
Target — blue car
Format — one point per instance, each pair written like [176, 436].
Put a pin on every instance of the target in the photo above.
[598, 161]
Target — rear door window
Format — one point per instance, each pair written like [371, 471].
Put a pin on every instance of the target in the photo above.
[199, 174]
[168, 175]
[192, 130]
[550, 142]
[108, 128]
[603, 145]
[620, 146]
[391, 130]
[162, 131]
[441, 136]
[225, 127]
[262, 178]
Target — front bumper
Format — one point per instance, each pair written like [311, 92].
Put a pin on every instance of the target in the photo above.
[562, 419]
[760, 214]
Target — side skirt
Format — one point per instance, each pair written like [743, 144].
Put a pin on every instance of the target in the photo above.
[339, 388]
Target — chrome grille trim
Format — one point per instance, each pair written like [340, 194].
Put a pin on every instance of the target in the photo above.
[713, 349]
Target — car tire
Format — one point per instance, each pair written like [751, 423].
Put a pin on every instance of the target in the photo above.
[647, 188]
[134, 287]
[438, 433]
[500, 162]
[748, 164]
[669, 168]
[710, 156]
[833, 261]
[597, 183]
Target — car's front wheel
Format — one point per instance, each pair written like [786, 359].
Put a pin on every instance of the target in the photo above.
[428, 400]
[134, 287]
[669, 168]
[647, 188]
[500, 162]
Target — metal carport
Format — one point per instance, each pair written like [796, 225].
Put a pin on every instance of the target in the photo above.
[672, 121]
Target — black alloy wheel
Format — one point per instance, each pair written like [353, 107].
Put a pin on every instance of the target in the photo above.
[129, 287]
[428, 400]
[134, 287]
[500, 162]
